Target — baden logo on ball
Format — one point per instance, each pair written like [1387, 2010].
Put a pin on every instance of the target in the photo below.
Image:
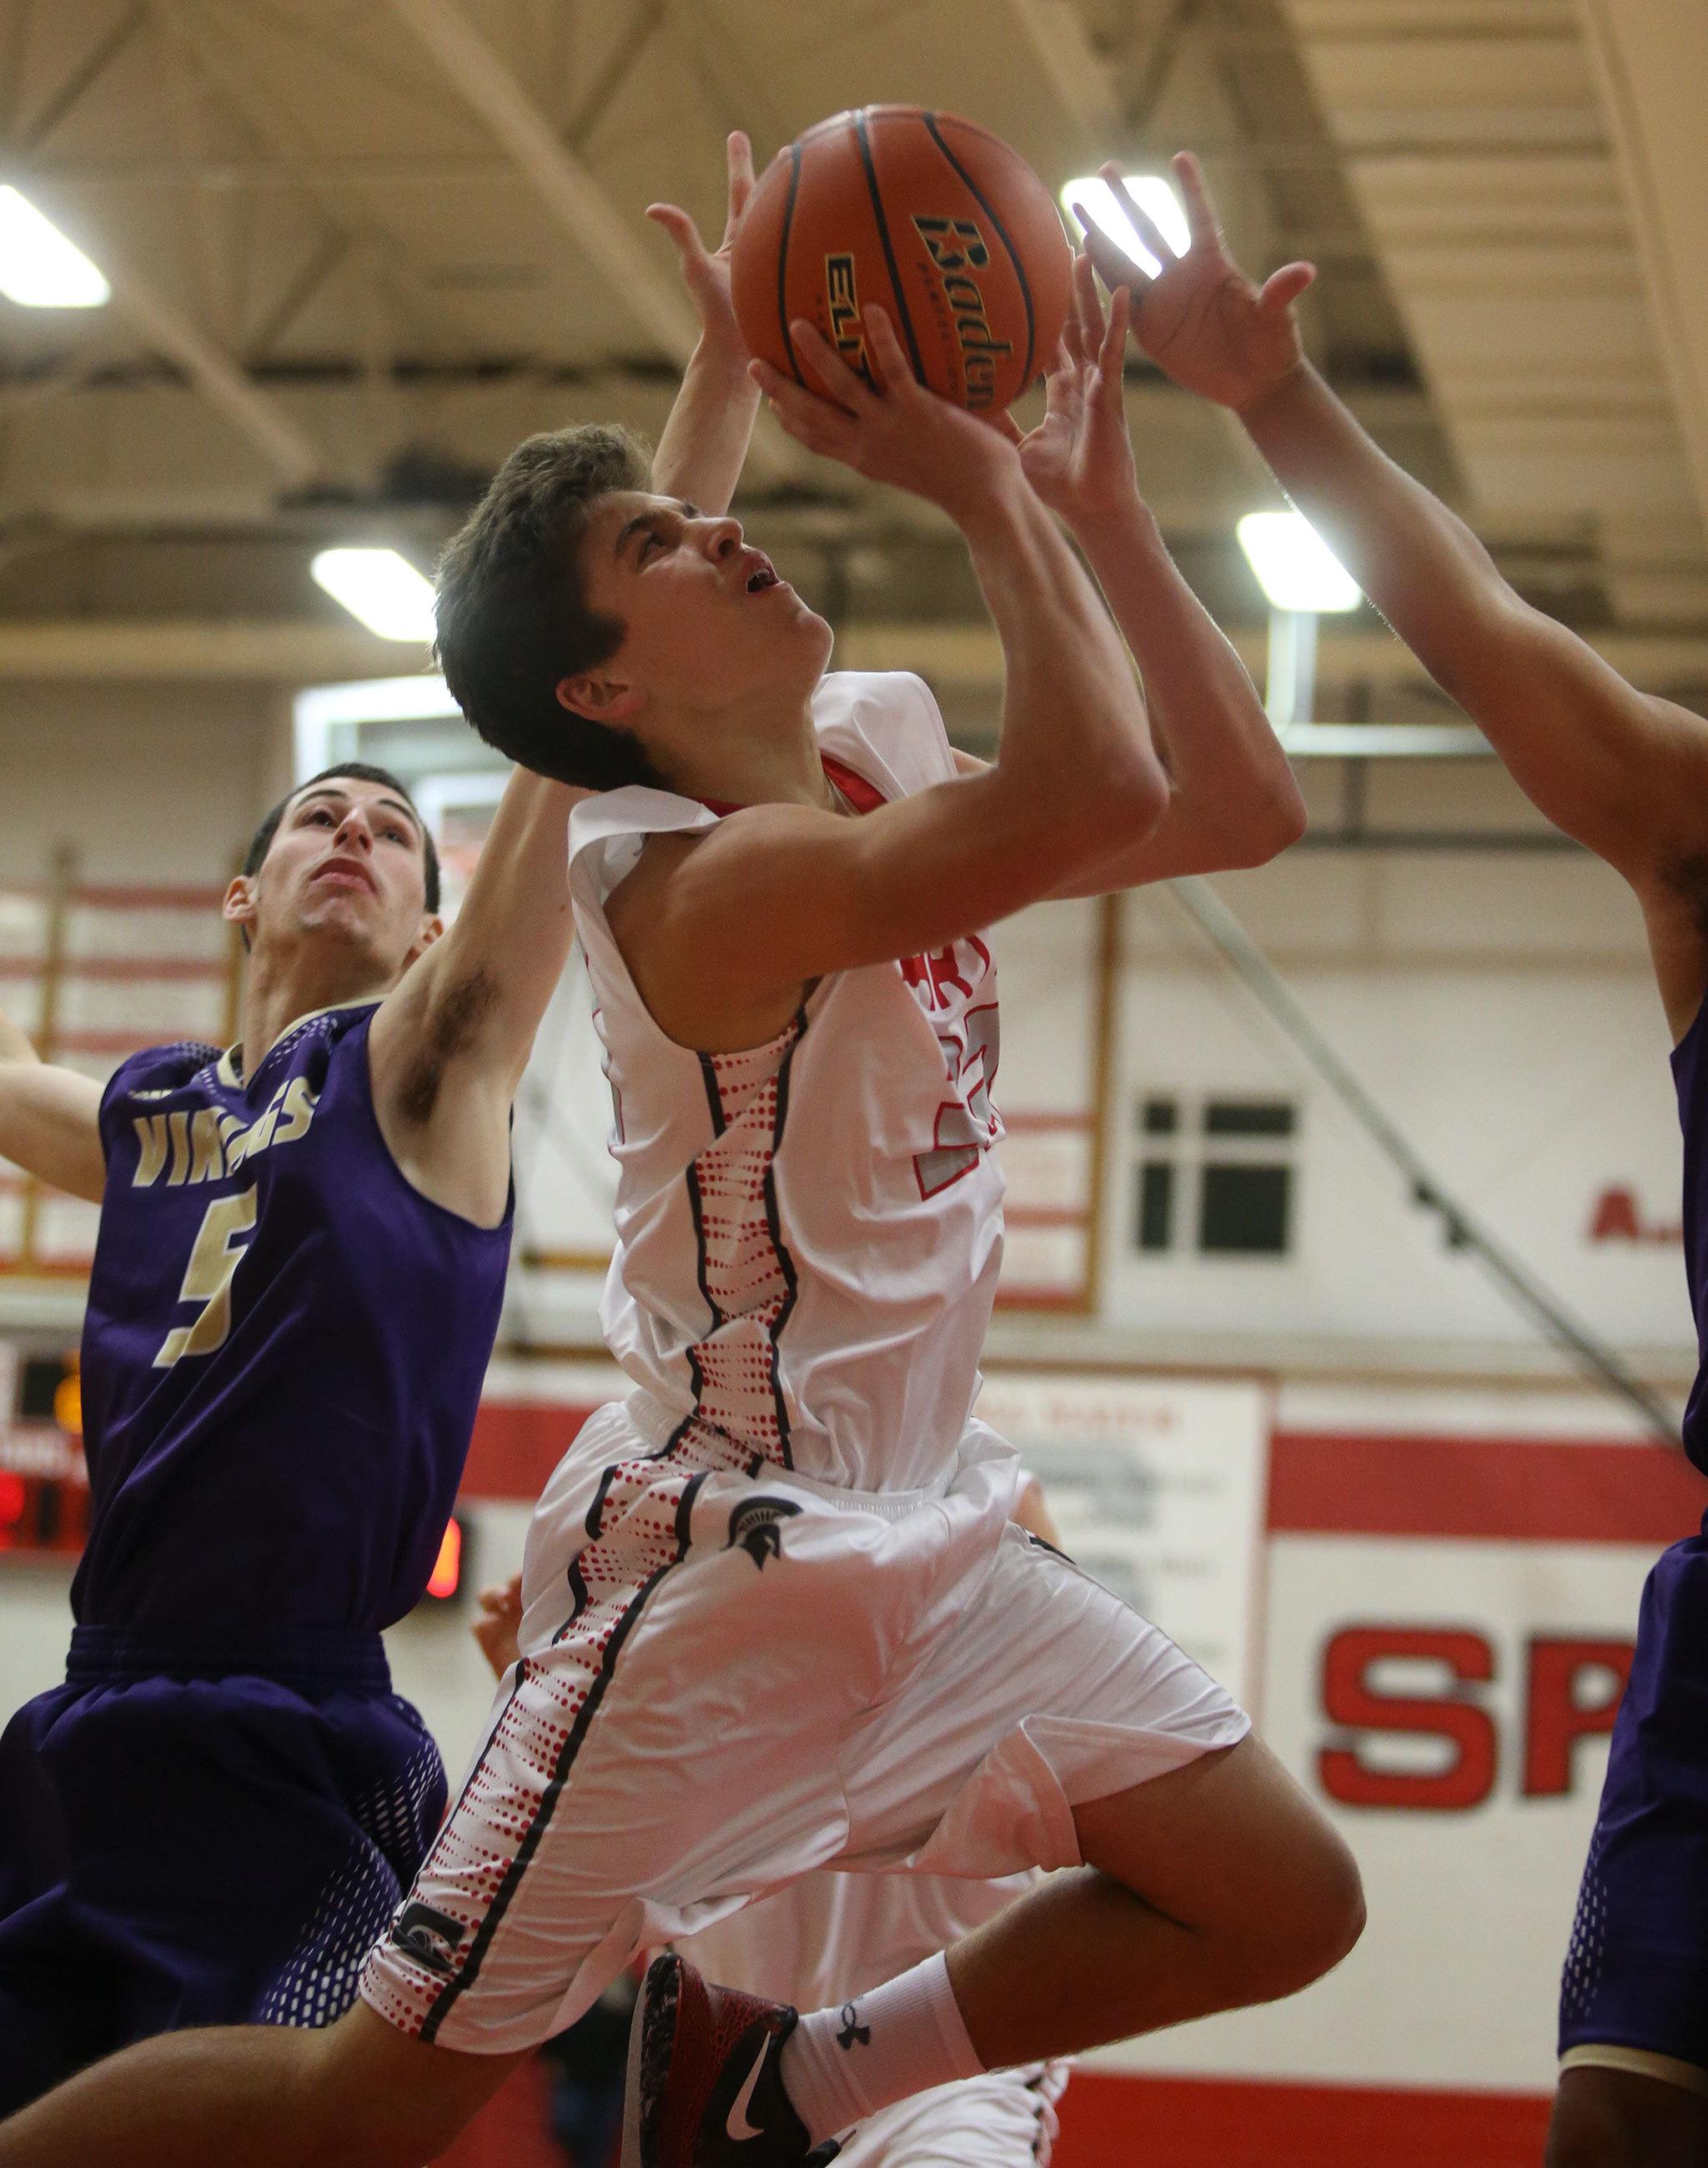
[933, 218]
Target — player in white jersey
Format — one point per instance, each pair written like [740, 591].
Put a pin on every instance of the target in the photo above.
[835, 1935]
[776, 1618]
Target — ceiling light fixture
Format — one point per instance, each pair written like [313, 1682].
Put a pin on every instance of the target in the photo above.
[1151, 192]
[1295, 567]
[39, 267]
[381, 589]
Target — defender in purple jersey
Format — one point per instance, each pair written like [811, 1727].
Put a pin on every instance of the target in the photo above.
[1626, 773]
[296, 1285]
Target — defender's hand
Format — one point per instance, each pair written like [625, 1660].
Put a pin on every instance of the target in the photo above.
[904, 434]
[1078, 460]
[706, 272]
[499, 1624]
[1200, 319]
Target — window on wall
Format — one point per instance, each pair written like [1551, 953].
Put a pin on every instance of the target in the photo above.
[1214, 1176]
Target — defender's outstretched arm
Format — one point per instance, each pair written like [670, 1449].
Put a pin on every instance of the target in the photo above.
[50, 1118]
[1625, 772]
[704, 442]
[449, 1047]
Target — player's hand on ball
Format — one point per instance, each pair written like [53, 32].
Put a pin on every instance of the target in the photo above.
[705, 272]
[1078, 460]
[499, 1624]
[1200, 319]
[902, 434]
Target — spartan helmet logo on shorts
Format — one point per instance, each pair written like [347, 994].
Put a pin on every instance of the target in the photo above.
[431, 1938]
[756, 1526]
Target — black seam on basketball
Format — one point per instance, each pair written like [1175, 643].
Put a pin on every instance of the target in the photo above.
[861, 138]
[782, 261]
[979, 197]
[774, 1225]
[549, 1798]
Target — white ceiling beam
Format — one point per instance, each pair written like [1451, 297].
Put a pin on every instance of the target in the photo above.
[568, 190]
[1053, 40]
[1650, 56]
[292, 455]
[964, 654]
[219, 379]
[284, 651]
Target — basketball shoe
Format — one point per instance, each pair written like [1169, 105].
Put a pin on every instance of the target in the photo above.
[704, 2089]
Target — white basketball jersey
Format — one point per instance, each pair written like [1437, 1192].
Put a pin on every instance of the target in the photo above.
[808, 1233]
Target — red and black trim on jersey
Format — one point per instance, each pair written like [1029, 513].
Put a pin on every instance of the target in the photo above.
[865, 797]
[746, 1275]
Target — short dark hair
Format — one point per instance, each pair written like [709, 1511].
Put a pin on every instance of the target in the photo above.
[355, 770]
[513, 620]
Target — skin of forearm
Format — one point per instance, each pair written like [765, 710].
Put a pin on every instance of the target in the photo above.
[705, 442]
[1074, 722]
[515, 928]
[14, 1042]
[1206, 719]
[1418, 563]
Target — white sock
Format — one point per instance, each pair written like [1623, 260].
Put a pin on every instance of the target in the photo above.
[847, 2062]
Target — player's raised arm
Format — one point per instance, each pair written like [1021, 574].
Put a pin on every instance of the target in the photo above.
[700, 454]
[466, 1015]
[1624, 772]
[50, 1118]
[1233, 800]
[449, 1046]
[1077, 776]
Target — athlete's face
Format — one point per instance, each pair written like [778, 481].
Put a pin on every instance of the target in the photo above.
[347, 866]
[708, 625]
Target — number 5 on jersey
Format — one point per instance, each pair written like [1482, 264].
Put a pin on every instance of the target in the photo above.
[218, 1250]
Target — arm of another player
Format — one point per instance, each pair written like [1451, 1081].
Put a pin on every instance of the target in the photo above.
[50, 1118]
[1624, 772]
[448, 1045]
[1076, 777]
[1233, 800]
[1031, 1512]
[472, 1004]
[704, 444]
[500, 1621]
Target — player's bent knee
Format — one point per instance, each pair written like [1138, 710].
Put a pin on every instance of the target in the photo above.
[1321, 1922]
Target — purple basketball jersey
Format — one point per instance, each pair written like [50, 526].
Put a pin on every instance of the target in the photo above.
[283, 1351]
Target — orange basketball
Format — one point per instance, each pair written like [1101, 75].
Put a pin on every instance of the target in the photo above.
[939, 221]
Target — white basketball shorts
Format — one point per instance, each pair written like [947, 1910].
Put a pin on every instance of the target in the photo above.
[730, 1676]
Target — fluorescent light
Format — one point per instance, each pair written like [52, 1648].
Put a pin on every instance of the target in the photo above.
[38, 267]
[1295, 567]
[1151, 193]
[381, 588]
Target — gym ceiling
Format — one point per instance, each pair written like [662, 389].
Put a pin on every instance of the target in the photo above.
[357, 248]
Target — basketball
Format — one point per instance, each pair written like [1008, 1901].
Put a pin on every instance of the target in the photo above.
[939, 221]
